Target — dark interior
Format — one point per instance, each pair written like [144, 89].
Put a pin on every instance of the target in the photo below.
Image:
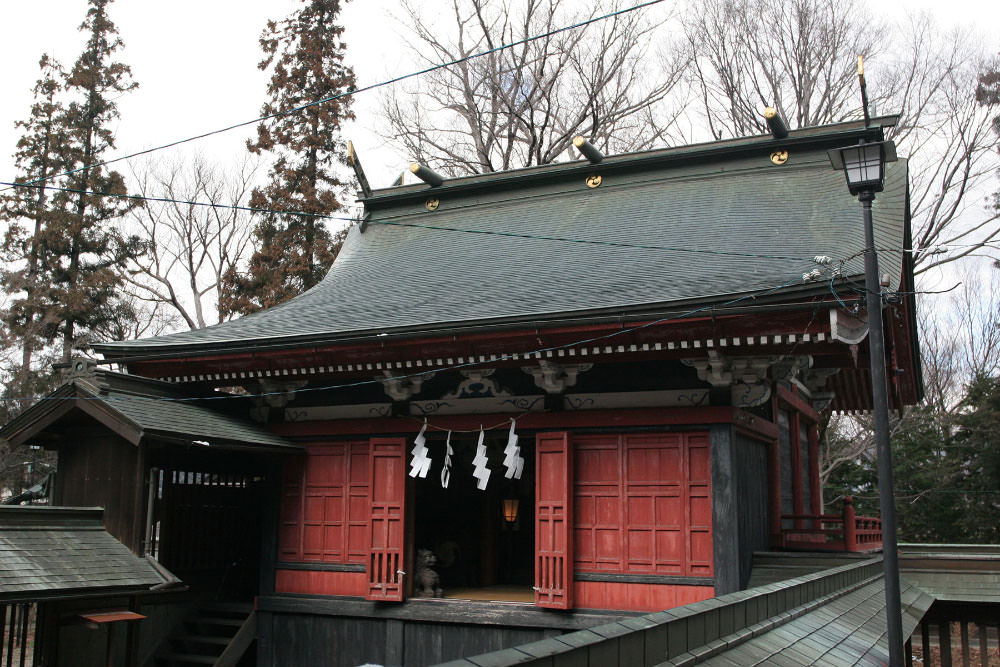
[465, 527]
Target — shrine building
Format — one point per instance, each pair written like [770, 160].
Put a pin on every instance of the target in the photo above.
[591, 389]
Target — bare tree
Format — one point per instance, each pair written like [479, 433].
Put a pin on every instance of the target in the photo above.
[796, 55]
[959, 342]
[800, 56]
[190, 246]
[946, 134]
[523, 106]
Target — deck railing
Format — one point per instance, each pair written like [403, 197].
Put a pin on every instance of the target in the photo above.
[832, 532]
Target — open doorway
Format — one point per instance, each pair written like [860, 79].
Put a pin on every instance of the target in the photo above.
[483, 540]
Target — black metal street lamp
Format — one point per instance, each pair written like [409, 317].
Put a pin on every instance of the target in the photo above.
[864, 166]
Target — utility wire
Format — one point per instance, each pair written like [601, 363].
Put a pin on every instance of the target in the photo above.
[355, 91]
[619, 244]
[359, 383]
[235, 207]
[354, 219]
[169, 200]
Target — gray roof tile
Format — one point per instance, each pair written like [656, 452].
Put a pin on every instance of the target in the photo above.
[152, 408]
[413, 278]
[46, 552]
[852, 631]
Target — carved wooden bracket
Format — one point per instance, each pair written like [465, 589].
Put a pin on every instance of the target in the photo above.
[555, 378]
[477, 384]
[273, 394]
[847, 327]
[402, 388]
[814, 382]
[747, 377]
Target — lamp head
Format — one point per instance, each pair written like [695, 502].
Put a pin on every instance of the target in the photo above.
[864, 164]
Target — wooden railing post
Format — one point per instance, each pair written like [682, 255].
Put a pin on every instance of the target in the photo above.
[850, 525]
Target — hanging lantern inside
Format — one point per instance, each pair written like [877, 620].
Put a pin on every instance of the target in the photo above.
[510, 506]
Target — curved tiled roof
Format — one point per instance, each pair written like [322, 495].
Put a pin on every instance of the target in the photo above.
[419, 270]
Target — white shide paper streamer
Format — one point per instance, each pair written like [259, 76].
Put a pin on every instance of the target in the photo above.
[481, 472]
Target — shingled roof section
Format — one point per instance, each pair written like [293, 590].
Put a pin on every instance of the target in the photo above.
[695, 225]
[138, 408]
[954, 572]
[52, 552]
[848, 630]
[832, 617]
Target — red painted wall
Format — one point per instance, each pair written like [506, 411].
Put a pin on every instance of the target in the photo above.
[643, 504]
[637, 597]
[314, 582]
[325, 505]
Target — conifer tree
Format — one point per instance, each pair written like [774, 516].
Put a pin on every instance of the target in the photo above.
[306, 56]
[31, 318]
[84, 247]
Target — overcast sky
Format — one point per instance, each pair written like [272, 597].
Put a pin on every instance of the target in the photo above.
[195, 64]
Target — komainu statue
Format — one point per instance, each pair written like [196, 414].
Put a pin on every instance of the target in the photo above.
[428, 581]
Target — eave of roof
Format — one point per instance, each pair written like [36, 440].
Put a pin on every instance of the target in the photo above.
[398, 281]
[143, 409]
[833, 134]
[60, 552]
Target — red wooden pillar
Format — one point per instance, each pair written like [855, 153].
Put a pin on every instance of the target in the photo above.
[794, 430]
[817, 488]
[553, 521]
[774, 492]
[850, 525]
[388, 493]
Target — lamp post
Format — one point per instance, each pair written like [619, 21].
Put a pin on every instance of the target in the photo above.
[864, 166]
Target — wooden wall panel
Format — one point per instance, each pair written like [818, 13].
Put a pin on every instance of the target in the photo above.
[643, 504]
[753, 508]
[637, 597]
[314, 582]
[388, 498]
[291, 511]
[324, 505]
[553, 521]
[697, 455]
[433, 643]
[293, 640]
[100, 471]
[598, 513]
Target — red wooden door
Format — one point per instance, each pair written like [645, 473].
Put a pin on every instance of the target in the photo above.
[388, 491]
[553, 521]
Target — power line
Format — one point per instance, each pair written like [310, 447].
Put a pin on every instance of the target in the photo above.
[355, 91]
[504, 357]
[325, 216]
[169, 200]
[563, 239]
[619, 244]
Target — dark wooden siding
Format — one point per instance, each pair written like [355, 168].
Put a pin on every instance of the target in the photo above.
[101, 470]
[431, 643]
[293, 640]
[751, 501]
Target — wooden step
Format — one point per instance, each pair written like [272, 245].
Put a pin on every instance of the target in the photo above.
[218, 621]
[202, 639]
[188, 658]
[243, 608]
